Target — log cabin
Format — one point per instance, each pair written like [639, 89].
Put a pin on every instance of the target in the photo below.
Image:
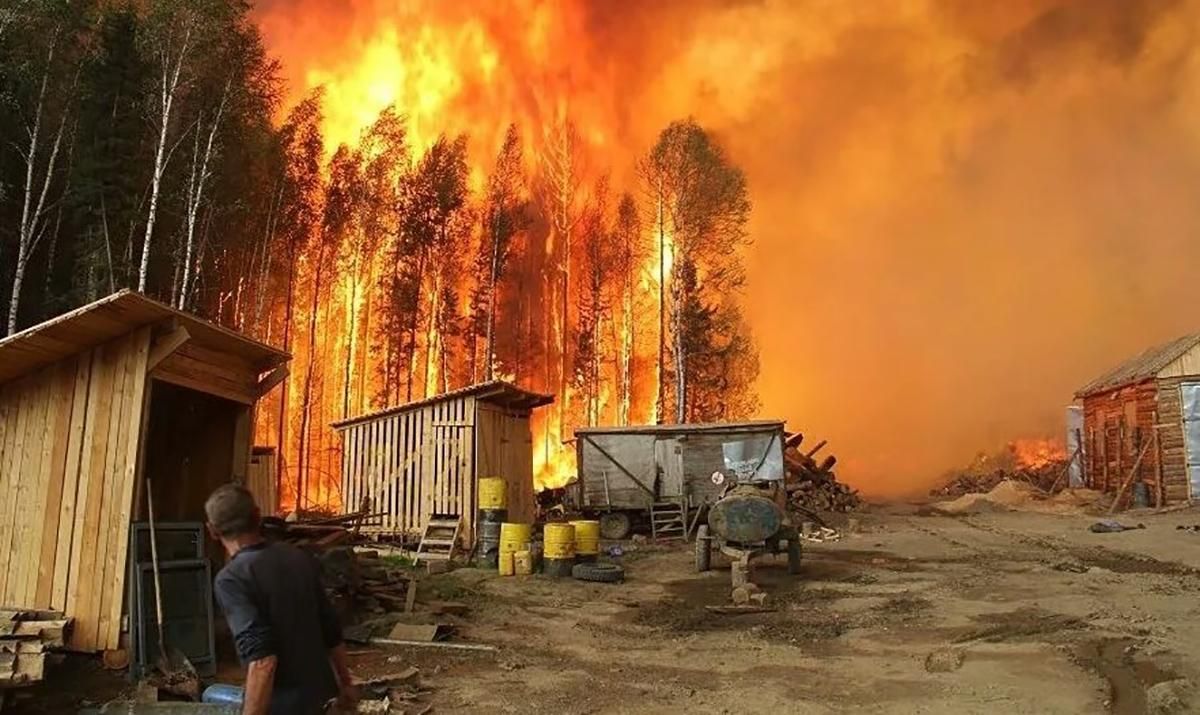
[1141, 424]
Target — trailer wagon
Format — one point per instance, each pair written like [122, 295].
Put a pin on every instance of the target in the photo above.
[667, 474]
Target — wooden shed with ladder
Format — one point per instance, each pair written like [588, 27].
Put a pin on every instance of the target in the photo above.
[92, 404]
[1141, 425]
[425, 458]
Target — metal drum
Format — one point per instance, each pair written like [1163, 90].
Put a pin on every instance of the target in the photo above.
[515, 537]
[493, 493]
[489, 542]
[560, 549]
[587, 540]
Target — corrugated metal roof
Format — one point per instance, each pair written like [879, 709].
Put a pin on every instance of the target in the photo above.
[749, 426]
[1140, 368]
[497, 392]
[111, 317]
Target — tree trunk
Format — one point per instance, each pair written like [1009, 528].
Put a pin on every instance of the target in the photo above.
[170, 84]
[493, 278]
[197, 179]
[303, 457]
[352, 336]
[288, 309]
[659, 405]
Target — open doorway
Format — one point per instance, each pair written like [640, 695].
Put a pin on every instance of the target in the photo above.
[188, 449]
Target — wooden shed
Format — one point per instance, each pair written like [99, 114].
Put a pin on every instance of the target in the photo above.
[93, 403]
[1141, 423]
[425, 457]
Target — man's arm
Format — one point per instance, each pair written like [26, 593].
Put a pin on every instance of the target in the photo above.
[253, 639]
[260, 682]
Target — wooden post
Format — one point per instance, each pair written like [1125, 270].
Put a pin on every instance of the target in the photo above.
[1160, 488]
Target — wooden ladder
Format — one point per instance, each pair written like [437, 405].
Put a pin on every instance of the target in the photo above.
[440, 538]
[667, 520]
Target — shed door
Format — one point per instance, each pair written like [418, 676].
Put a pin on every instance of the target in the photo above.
[1189, 394]
[668, 453]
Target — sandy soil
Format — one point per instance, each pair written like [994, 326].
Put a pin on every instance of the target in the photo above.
[990, 613]
[994, 613]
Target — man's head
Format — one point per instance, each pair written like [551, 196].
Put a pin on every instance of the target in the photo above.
[232, 512]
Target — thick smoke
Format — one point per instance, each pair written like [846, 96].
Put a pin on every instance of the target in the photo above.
[963, 210]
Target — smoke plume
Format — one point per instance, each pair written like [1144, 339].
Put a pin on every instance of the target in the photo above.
[963, 210]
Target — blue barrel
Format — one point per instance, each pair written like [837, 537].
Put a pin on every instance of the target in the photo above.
[222, 694]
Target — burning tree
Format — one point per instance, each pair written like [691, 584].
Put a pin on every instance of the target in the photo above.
[701, 206]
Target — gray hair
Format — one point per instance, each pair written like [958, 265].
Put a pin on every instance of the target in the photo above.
[231, 511]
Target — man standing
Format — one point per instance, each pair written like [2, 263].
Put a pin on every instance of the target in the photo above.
[283, 625]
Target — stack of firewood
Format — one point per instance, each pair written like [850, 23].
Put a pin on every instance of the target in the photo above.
[811, 483]
[26, 636]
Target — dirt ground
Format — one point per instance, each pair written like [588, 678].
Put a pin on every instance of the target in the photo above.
[991, 613]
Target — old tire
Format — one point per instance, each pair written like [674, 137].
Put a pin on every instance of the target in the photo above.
[703, 550]
[793, 551]
[599, 573]
[615, 525]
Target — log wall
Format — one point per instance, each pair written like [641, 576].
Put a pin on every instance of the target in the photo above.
[1174, 458]
[69, 438]
[1116, 426]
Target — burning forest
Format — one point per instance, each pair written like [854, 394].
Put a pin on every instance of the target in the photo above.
[412, 197]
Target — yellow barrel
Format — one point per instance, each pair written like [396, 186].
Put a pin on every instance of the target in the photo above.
[587, 537]
[493, 493]
[515, 537]
[506, 563]
[560, 541]
[522, 563]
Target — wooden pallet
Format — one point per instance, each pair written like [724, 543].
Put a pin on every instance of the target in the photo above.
[440, 538]
[667, 520]
[26, 635]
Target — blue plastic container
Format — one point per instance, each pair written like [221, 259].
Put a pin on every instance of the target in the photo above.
[222, 694]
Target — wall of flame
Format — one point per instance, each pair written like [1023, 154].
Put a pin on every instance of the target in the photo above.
[964, 210]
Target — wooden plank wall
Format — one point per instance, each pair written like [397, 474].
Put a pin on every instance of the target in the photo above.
[216, 373]
[410, 465]
[262, 479]
[1171, 444]
[1115, 427]
[69, 438]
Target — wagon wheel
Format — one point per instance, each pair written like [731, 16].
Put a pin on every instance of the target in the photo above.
[615, 525]
[703, 550]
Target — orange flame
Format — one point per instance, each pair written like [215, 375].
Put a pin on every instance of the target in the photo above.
[1037, 452]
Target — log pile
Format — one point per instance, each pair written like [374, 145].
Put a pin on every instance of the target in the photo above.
[26, 636]
[358, 581]
[986, 473]
[811, 483]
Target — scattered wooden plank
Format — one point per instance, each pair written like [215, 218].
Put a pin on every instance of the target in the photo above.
[434, 644]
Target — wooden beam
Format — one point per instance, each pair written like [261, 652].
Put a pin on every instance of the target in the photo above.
[167, 344]
[272, 379]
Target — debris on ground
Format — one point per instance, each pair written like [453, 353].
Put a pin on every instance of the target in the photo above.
[944, 660]
[987, 471]
[1110, 526]
[811, 483]
[1012, 495]
[26, 637]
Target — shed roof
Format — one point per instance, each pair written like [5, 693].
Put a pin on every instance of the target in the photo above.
[1140, 368]
[111, 317]
[750, 426]
[497, 392]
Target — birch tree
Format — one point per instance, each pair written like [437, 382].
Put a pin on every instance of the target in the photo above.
[45, 110]
[505, 214]
[175, 33]
[702, 206]
[199, 175]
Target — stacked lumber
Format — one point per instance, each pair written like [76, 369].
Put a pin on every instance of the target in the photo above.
[26, 636]
[809, 478]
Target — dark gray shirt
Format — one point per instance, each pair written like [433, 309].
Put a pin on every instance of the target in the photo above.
[275, 605]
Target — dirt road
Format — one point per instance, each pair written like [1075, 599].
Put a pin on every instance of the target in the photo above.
[998, 613]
